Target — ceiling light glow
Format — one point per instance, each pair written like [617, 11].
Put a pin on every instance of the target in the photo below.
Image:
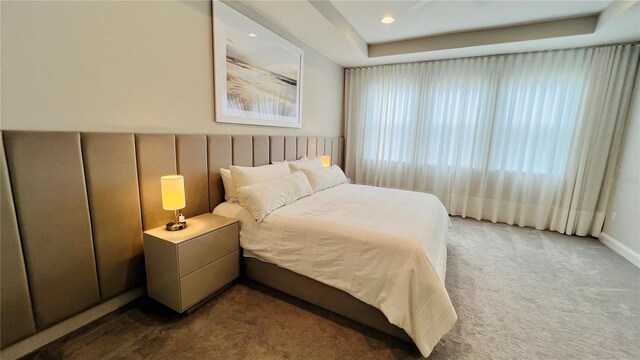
[387, 19]
[252, 35]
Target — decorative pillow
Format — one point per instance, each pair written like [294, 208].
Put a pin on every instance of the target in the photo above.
[262, 198]
[313, 163]
[321, 179]
[230, 189]
[243, 176]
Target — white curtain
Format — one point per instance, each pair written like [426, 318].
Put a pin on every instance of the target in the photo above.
[529, 139]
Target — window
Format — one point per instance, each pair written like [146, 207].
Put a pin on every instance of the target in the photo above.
[517, 124]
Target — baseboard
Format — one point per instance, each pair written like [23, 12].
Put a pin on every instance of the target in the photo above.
[65, 327]
[621, 249]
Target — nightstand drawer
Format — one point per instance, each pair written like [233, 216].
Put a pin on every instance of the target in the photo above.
[207, 248]
[203, 282]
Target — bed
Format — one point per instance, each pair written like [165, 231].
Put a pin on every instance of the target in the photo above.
[384, 247]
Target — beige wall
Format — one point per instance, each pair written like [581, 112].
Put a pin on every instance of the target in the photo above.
[625, 199]
[125, 66]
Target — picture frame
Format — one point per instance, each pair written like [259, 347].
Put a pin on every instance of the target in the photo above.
[257, 74]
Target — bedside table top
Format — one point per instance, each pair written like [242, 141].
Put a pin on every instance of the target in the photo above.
[196, 226]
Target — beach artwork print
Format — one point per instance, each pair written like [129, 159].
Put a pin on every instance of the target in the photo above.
[257, 73]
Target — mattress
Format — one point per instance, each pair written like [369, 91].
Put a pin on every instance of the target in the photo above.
[384, 247]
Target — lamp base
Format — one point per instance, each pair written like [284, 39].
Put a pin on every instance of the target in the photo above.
[176, 226]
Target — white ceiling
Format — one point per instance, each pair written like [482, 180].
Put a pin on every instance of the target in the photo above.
[350, 32]
[426, 17]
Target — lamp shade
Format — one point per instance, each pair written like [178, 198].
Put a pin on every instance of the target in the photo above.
[326, 160]
[172, 187]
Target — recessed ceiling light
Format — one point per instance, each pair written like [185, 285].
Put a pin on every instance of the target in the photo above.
[252, 35]
[387, 19]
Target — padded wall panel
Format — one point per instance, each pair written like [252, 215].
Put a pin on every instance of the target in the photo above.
[320, 146]
[260, 150]
[341, 153]
[191, 153]
[290, 148]
[112, 187]
[276, 148]
[219, 152]
[156, 156]
[335, 151]
[50, 197]
[242, 150]
[312, 147]
[302, 147]
[16, 316]
[328, 148]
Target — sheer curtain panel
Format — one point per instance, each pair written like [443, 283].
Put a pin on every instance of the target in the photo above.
[529, 139]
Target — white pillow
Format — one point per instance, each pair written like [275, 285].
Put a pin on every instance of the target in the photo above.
[314, 163]
[243, 176]
[262, 198]
[230, 189]
[304, 158]
[321, 179]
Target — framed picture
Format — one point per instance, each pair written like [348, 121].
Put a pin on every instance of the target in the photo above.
[258, 75]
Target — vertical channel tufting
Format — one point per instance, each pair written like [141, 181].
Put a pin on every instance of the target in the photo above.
[242, 150]
[320, 146]
[114, 202]
[156, 157]
[276, 148]
[260, 150]
[340, 161]
[16, 313]
[290, 148]
[191, 151]
[52, 209]
[335, 151]
[312, 147]
[219, 151]
[327, 147]
[302, 147]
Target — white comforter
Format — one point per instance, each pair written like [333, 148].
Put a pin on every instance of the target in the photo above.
[385, 247]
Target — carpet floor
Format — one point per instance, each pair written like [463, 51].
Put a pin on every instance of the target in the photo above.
[519, 294]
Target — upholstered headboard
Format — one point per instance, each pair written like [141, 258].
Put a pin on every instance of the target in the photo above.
[74, 206]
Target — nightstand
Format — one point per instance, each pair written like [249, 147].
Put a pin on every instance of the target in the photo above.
[187, 267]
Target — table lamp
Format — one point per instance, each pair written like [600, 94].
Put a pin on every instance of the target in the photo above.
[172, 187]
[326, 160]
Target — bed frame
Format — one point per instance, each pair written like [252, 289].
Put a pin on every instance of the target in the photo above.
[319, 294]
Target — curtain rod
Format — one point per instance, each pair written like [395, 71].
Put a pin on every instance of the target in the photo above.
[491, 55]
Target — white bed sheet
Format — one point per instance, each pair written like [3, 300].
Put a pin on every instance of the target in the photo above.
[385, 247]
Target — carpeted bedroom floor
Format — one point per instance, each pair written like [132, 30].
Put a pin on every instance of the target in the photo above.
[519, 294]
